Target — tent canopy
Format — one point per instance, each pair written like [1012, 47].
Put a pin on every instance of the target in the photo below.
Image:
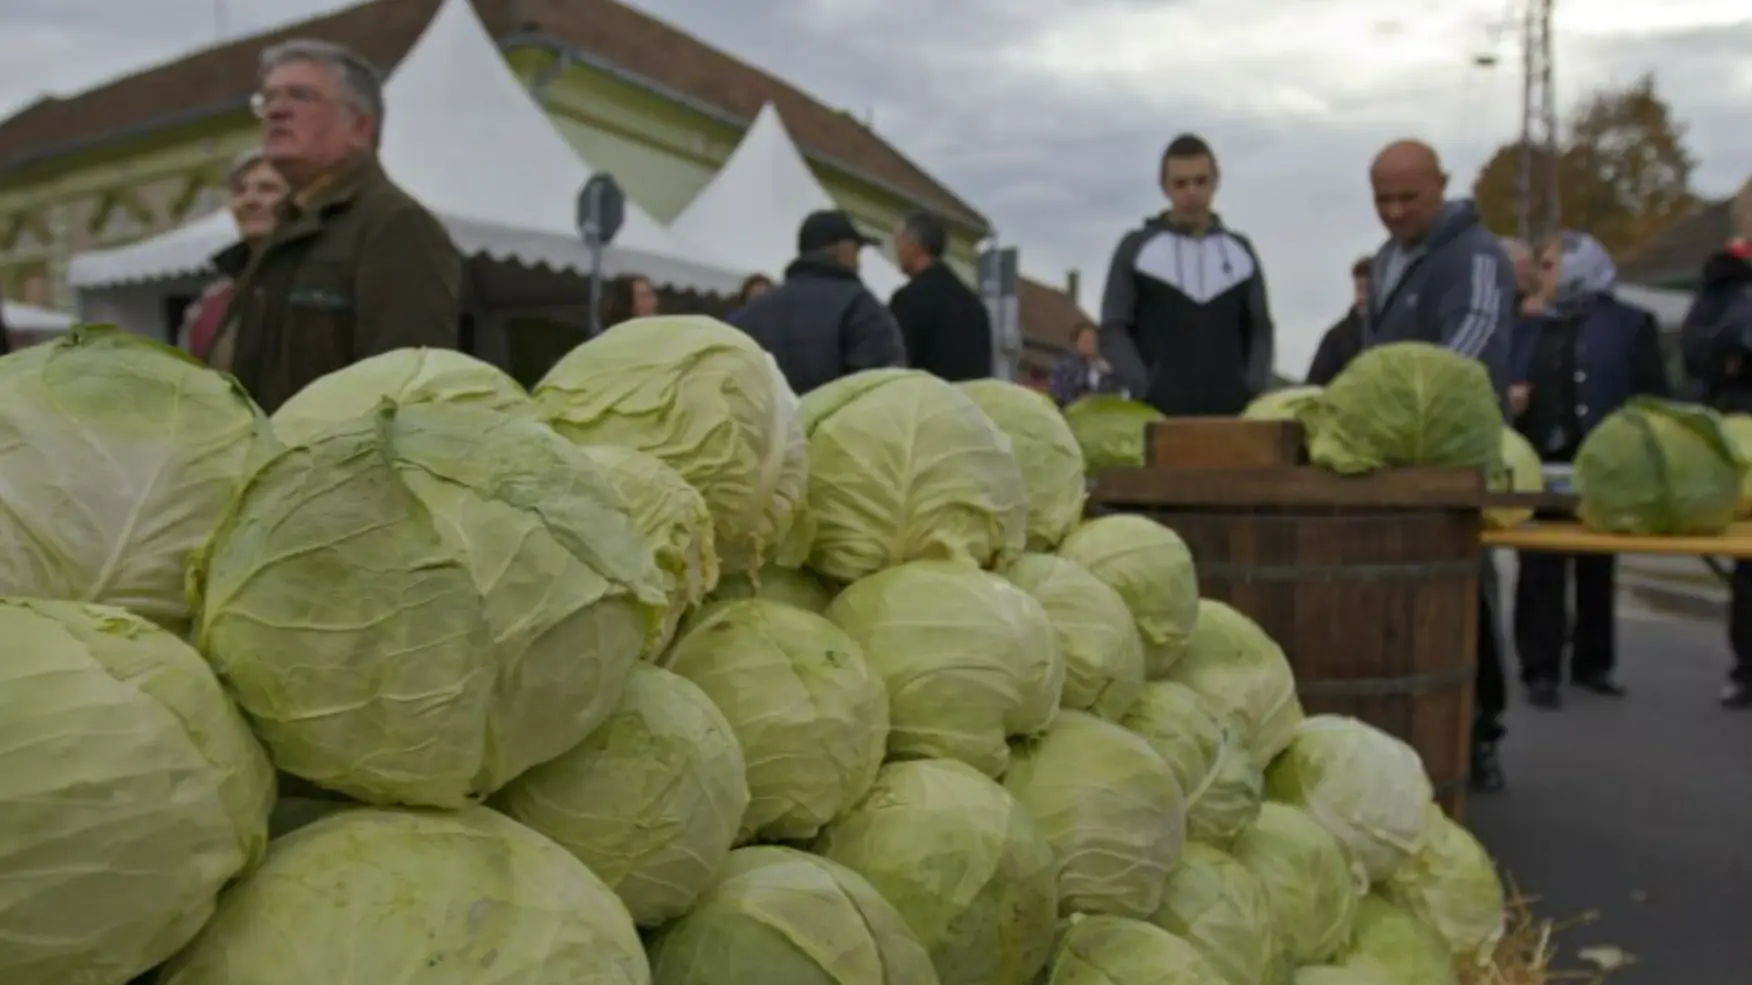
[463, 136]
[748, 214]
[30, 318]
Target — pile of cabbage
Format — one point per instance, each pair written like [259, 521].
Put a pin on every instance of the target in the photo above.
[654, 674]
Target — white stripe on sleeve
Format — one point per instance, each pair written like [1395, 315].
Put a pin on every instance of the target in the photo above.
[1484, 301]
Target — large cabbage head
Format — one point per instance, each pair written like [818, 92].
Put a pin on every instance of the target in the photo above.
[905, 467]
[1110, 809]
[1217, 774]
[780, 915]
[405, 376]
[675, 521]
[1282, 405]
[1111, 430]
[1658, 467]
[1408, 403]
[792, 586]
[130, 792]
[1214, 903]
[1365, 787]
[651, 801]
[707, 400]
[1107, 950]
[962, 862]
[405, 896]
[1395, 946]
[1103, 653]
[1311, 882]
[1152, 570]
[1243, 677]
[968, 658]
[419, 605]
[1047, 453]
[1451, 884]
[810, 713]
[117, 455]
[1738, 428]
[1519, 471]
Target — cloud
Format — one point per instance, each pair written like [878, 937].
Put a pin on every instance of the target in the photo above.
[1050, 115]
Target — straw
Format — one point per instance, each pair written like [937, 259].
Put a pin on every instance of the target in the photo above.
[1524, 955]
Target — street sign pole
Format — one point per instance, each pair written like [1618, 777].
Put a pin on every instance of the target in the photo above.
[600, 214]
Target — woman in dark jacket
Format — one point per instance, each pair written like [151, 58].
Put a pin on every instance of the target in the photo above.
[627, 297]
[256, 190]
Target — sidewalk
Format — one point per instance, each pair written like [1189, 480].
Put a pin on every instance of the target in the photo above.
[1678, 586]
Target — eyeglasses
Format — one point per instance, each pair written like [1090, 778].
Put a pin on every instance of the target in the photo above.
[299, 96]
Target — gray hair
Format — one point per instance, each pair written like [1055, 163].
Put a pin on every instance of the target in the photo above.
[360, 81]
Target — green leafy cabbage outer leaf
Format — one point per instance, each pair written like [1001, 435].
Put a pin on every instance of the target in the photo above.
[1108, 950]
[1282, 405]
[1152, 570]
[905, 467]
[420, 605]
[1215, 770]
[1738, 428]
[1109, 807]
[130, 792]
[792, 586]
[1394, 946]
[780, 915]
[1452, 885]
[1047, 453]
[117, 455]
[810, 713]
[1368, 789]
[1408, 403]
[1103, 653]
[707, 400]
[1214, 903]
[962, 862]
[1659, 467]
[1519, 471]
[405, 376]
[969, 659]
[1312, 884]
[1243, 677]
[401, 896]
[675, 521]
[651, 801]
[1111, 430]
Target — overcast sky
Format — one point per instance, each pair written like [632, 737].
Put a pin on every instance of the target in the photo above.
[1049, 115]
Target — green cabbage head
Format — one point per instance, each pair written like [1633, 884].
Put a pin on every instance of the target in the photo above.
[1282, 405]
[1108, 950]
[1151, 569]
[1217, 774]
[1365, 787]
[412, 896]
[1216, 905]
[651, 801]
[1243, 677]
[1110, 809]
[707, 400]
[1103, 653]
[969, 659]
[1658, 467]
[1519, 471]
[406, 376]
[1408, 403]
[117, 455]
[421, 604]
[810, 713]
[792, 586]
[676, 523]
[1394, 946]
[1111, 430]
[130, 792]
[1451, 884]
[782, 916]
[1311, 882]
[962, 862]
[1738, 428]
[1046, 451]
[905, 467]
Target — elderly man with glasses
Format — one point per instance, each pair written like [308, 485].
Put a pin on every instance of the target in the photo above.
[355, 267]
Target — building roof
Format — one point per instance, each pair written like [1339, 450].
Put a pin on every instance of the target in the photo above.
[221, 78]
[1677, 255]
[1049, 315]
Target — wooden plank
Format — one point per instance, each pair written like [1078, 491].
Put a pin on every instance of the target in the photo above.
[1573, 538]
[1222, 442]
[1434, 488]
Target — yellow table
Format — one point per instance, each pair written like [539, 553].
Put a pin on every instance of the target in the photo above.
[1564, 537]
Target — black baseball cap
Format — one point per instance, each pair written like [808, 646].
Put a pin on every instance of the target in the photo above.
[823, 229]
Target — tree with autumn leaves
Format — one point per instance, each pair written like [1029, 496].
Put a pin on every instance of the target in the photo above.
[1623, 171]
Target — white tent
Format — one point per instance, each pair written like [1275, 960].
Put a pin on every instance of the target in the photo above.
[464, 137]
[747, 215]
[30, 318]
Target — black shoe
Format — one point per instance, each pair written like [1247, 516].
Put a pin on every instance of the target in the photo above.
[1601, 684]
[1487, 769]
[1544, 694]
[1737, 695]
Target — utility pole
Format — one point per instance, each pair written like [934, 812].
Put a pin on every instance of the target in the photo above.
[1536, 201]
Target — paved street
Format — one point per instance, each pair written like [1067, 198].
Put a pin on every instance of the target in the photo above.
[1640, 809]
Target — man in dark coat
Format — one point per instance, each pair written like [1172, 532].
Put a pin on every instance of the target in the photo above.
[1344, 339]
[822, 323]
[947, 329]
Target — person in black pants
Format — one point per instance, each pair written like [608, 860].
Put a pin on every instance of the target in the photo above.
[1574, 364]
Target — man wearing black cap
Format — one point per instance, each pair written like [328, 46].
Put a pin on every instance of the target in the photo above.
[822, 323]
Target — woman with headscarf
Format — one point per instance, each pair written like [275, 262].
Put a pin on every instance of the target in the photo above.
[256, 191]
[1576, 362]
